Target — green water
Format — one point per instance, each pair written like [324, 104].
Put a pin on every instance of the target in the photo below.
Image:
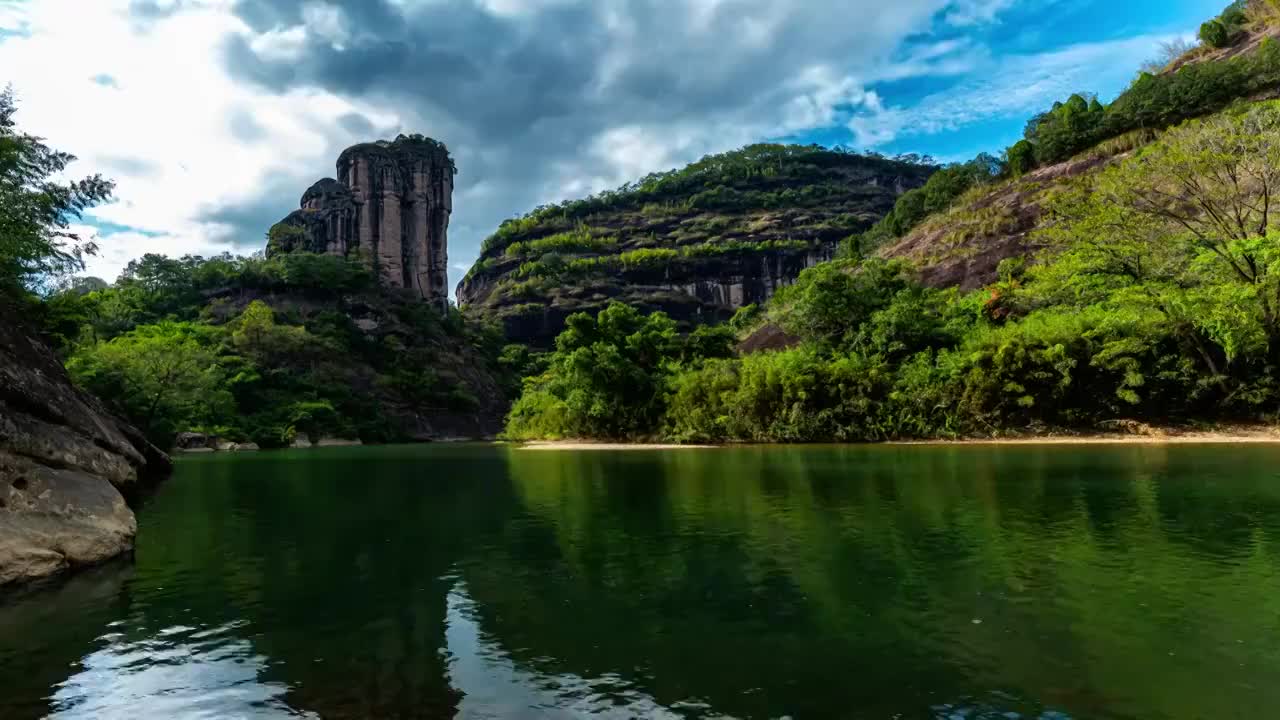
[484, 582]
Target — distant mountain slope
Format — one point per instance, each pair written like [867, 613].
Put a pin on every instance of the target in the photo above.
[697, 243]
[963, 245]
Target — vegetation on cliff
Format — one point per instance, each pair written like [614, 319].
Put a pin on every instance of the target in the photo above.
[697, 243]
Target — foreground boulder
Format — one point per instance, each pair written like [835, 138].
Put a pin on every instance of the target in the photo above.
[68, 468]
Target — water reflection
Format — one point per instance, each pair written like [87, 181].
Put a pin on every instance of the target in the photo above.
[937, 583]
[493, 685]
[177, 672]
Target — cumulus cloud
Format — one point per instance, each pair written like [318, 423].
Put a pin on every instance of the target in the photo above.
[219, 113]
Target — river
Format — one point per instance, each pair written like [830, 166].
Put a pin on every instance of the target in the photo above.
[478, 581]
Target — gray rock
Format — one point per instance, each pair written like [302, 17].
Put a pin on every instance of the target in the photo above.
[338, 442]
[67, 466]
[189, 441]
[301, 441]
[391, 203]
[245, 447]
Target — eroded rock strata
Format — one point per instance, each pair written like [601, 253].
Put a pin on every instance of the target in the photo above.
[390, 205]
[697, 243]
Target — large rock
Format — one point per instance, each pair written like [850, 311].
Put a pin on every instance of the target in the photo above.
[390, 204]
[67, 467]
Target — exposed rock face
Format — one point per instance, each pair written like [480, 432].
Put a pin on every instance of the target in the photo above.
[66, 465]
[390, 204]
[719, 257]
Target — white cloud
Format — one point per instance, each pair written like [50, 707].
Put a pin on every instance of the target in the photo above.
[281, 44]
[327, 22]
[1012, 86]
[965, 13]
[169, 119]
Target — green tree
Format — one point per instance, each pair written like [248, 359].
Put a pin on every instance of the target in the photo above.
[608, 376]
[165, 378]
[1020, 158]
[36, 209]
[1215, 34]
[829, 302]
[1190, 218]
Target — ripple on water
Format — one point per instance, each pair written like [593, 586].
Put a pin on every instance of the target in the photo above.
[179, 671]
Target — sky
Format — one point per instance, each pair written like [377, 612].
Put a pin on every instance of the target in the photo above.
[213, 116]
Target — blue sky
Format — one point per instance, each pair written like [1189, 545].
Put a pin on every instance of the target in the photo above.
[213, 116]
[1023, 34]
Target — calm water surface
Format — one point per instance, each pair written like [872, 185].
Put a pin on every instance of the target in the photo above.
[487, 582]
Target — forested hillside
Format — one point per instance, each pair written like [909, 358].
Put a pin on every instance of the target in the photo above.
[697, 243]
[265, 350]
[1237, 62]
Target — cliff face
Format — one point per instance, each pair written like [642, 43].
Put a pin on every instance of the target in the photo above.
[391, 204]
[66, 465]
[697, 243]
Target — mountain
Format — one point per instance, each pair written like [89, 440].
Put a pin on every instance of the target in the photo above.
[697, 243]
[390, 206]
[962, 246]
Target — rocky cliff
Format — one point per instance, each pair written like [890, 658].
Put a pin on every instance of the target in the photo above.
[67, 467]
[391, 205]
[697, 243]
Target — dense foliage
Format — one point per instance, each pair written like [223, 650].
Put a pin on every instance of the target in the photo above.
[942, 189]
[609, 374]
[1158, 301]
[716, 182]
[255, 349]
[1222, 30]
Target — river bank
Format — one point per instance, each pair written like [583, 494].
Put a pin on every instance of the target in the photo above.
[590, 445]
[1128, 434]
[1135, 434]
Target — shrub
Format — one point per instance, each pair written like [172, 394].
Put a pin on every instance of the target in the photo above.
[1215, 34]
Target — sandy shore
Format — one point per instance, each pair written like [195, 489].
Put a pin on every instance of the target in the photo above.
[1146, 435]
[588, 445]
[1137, 434]
[1190, 438]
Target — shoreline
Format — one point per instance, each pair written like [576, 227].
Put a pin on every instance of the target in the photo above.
[1206, 438]
[1249, 435]
[592, 445]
